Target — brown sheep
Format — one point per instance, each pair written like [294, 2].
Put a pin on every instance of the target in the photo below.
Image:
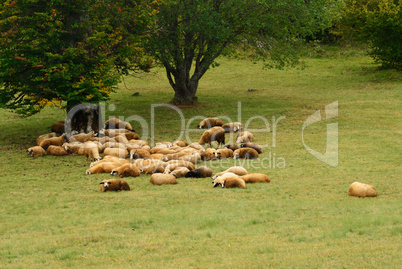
[118, 152]
[56, 151]
[36, 151]
[233, 127]
[237, 170]
[229, 181]
[209, 123]
[121, 138]
[180, 172]
[258, 148]
[82, 137]
[44, 136]
[73, 147]
[200, 172]
[209, 154]
[103, 167]
[115, 145]
[163, 151]
[180, 144]
[232, 147]
[132, 136]
[362, 190]
[197, 146]
[90, 150]
[172, 165]
[58, 128]
[126, 170]
[255, 177]
[244, 137]
[223, 153]
[115, 184]
[115, 123]
[245, 153]
[194, 158]
[153, 168]
[214, 134]
[139, 154]
[160, 179]
[55, 141]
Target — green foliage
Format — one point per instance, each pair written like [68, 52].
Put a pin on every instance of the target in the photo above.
[378, 22]
[52, 51]
[198, 31]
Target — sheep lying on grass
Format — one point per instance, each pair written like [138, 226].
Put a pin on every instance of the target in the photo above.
[161, 179]
[180, 172]
[126, 170]
[245, 153]
[44, 136]
[229, 181]
[223, 153]
[36, 151]
[244, 137]
[237, 170]
[362, 190]
[115, 123]
[53, 141]
[255, 177]
[200, 172]
[258, 148]
[90, 150]
[115, 184]
[233, 147]
[56, 151]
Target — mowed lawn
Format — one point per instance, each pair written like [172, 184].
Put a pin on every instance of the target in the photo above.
[53, 215]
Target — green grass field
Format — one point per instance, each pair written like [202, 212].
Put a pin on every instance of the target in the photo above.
[53, 215]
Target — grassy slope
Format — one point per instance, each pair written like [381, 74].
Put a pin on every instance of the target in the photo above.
[54, 216]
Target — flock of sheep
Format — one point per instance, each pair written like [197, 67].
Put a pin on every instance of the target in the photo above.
[126, 155]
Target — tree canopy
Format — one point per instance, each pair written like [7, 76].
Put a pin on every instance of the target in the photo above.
[190, 35]
[55, 51]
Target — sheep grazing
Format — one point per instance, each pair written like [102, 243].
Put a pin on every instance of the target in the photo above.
[255, 177]
[44, 136]
[118, 152]
[244, 137]
[55, 141]
[209, 123]
[232, 127]
[232, 147]
[200, 172]
[161, 179]
[115, 123]
[223, 153]
[58, 128]
[115, 184]
[214, 134]
[237, 170]
[36, 151]
[245, 153]
[56, 151]
[258, 148]
[362, 190]
[126, 170]
[180, 172]
[209, 154]
[229, 181]
[90, 150]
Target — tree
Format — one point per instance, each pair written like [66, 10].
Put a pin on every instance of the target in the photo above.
[74, 51]
[190, 35]
[378, 23]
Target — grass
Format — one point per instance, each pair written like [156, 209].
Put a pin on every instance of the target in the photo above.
[53, 215]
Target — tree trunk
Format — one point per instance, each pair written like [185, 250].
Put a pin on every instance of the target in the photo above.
[82, 118]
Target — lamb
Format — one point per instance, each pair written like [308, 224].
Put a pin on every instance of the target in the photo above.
[44, 136]
[55, 141]
[90, 150]
[56, 150]
[229, 181]
[209, 122]
[160, 179]
[126, 170]
[237, 170]
[36, 151]
[246, 153]
[180, 172]
[118, 152]
[209, 154]
[200, 172]
[224, 153]
[255, 177]
[233, 127]
[232, 147]
[258, 148]
[362, 190]
[115, 123]
[139, 154]
[214, 134]
[244, 137]
[115, 184]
